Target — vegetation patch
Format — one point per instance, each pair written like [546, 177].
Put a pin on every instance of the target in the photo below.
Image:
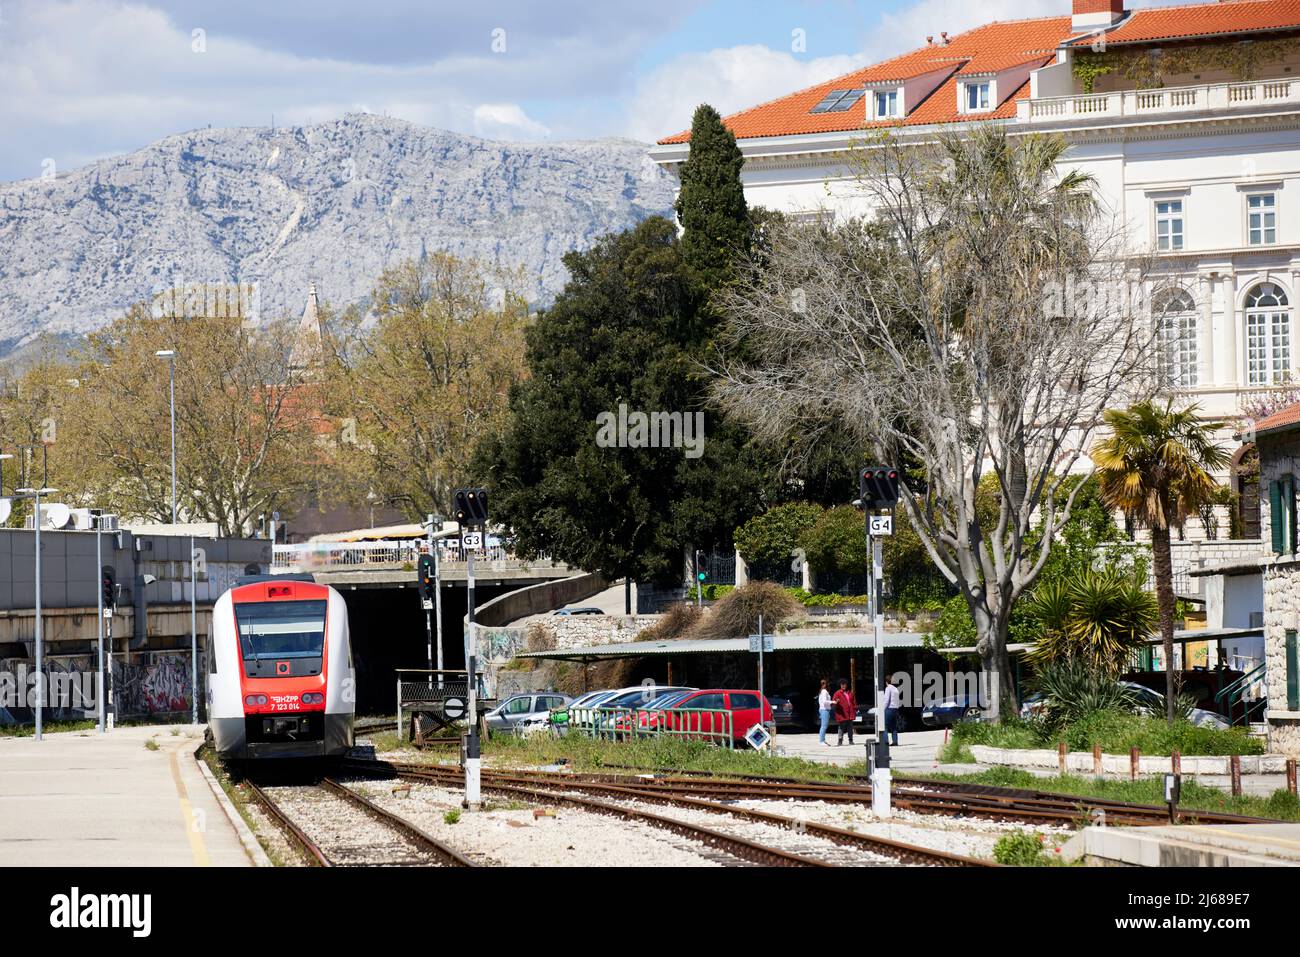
[1116, 731]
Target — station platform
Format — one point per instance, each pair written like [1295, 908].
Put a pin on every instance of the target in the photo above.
[1194, 845]
[83, 799]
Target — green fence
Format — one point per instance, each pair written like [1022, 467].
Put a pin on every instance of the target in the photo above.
[627, 724]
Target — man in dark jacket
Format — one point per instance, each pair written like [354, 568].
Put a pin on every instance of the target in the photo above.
[846, 710]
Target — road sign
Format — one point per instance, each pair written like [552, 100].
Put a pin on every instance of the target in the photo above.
[882, 525]
[472, 540]
[453, 709]
[769, 643]
[758, 737]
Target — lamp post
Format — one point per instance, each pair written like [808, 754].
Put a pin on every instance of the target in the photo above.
[35, 491]
[170, 356]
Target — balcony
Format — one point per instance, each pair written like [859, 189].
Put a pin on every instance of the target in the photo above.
[1168, 102]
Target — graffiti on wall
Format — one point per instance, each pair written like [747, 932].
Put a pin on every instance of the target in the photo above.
[498, 644]
[153, 684]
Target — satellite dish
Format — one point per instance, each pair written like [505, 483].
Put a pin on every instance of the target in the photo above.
[57, 515]
[6, 508]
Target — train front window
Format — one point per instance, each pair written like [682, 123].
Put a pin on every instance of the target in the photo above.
[280, 629]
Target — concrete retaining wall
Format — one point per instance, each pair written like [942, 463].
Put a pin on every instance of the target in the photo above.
[536, 599]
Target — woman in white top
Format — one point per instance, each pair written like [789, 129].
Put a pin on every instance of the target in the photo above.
[825, 705]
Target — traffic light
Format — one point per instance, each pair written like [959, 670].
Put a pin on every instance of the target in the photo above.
[428, 584]
[700, 574]
[878, 486]
[109, 585]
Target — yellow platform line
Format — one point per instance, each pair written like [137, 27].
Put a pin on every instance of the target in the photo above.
[197, 847]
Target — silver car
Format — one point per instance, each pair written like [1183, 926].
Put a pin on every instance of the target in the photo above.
[520, 709]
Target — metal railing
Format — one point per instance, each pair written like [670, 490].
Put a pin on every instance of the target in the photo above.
[309, 556]
[630, 724]
[428, 691]
[1243, 692]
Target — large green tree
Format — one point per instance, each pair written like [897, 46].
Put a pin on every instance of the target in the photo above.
[619, 340]
[716, 223]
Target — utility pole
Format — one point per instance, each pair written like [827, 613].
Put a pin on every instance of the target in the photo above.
[34, 491]
[194, 638]
[99, 564]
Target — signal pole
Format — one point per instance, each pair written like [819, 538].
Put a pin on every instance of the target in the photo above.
[878, 487]
[99, 563]
[471, 511]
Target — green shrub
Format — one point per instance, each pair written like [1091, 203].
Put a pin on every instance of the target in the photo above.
[773, 536]
[1073, 688]
[1020, 849]
[1117, 732]
[1284, 805]
[837, 542]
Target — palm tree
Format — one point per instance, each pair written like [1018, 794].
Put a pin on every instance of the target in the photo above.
[1155, 467]
[1099, 618]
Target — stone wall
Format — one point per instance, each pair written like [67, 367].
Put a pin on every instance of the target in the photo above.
[1188, 557]
[1281, 612]
[578, 631]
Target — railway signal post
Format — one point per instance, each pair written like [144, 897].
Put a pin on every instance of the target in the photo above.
[471, 511]
[878, 490]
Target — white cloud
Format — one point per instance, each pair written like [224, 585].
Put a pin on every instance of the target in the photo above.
[729, 79]
[507, 121]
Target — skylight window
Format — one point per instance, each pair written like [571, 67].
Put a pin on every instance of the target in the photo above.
[838, 101]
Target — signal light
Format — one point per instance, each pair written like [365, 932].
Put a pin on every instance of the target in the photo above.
[253, 700]
[470, 506]
[878, 487]
[312, 697]
[109, 585]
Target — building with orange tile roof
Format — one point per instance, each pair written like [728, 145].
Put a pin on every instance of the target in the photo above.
[1187, 118]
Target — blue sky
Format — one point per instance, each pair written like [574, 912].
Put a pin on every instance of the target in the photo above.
[83, 79]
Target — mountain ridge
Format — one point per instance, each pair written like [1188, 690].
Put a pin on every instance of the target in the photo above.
[333, 202]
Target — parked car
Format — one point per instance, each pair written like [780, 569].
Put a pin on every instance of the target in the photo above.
[641, 696]
[579, 611]
[783, 710]
[1153, 702]
[520, 708]
[951, 710]
[747, 708]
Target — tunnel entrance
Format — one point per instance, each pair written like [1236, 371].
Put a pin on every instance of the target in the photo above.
[387, 627]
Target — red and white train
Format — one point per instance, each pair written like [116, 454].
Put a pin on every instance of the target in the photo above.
[280, 677]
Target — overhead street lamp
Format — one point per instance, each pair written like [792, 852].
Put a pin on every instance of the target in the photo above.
[170, 356]
[34, 492]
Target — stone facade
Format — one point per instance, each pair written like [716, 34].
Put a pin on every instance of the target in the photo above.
[1279, 455]
[578, 631]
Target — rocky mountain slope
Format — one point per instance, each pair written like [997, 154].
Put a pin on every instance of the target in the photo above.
[333, 203]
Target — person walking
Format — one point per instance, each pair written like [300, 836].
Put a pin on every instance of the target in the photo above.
[825, 706]
[846, 711]
[891, 704]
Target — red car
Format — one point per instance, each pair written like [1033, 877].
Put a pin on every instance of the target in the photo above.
[711, 713]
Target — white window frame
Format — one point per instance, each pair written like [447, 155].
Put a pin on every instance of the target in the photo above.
[894, 99]
[972, 89]
[1174, 241]
[1267, 234]
[1268, 337]
[1178, 334]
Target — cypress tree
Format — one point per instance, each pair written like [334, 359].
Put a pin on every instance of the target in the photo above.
[711, 203]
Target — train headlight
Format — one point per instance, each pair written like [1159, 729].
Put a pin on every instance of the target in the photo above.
[253, 700]
[313, 697]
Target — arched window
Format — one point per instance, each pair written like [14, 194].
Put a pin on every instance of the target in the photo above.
[1268, 335]
[1175, 314]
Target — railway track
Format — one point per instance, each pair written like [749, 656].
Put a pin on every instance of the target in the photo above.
[953, 798]
[621, 799]
[327, 844]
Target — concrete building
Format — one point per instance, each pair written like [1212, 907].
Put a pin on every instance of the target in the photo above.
[150, 630]
[1187, 117]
